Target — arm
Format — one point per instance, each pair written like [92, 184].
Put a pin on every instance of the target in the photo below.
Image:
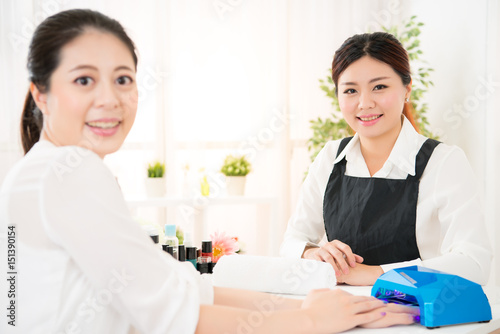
[306, 226]
[323, 311]
[253, 300]
[451, 232]
[85, 214]
[464, 248]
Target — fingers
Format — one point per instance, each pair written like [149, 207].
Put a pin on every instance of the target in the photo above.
[367, 318]
[326, 256]
[391, 319]
[367, 305]
[358, 258]
[397, 308]
[339, 255]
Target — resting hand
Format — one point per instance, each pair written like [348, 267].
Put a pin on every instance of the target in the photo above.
[336, 253]
[396, 315]
[362, 274]
[333, 311]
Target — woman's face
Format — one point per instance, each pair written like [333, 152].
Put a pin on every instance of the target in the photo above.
[371, 97]
[92, 99]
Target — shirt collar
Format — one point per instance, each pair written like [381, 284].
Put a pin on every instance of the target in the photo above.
[405, 149]
[403, 153]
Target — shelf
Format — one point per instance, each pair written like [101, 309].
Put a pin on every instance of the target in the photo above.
[267, 213]
[199, 201]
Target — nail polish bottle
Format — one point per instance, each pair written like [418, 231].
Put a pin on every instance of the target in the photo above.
[171, 239]
[191, 255]
[206, 249]
[205, 260]
[204, 265]
[182, 253]
[170, 250]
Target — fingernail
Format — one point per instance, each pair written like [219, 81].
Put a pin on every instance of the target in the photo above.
[383, 313]
[416, 318]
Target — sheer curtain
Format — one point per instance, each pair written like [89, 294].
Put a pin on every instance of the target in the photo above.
[492, 161]
[232, 76]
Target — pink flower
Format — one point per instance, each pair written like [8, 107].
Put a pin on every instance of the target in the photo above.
[222, 245]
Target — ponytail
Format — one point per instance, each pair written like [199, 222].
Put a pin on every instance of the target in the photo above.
[31, 123]
[408, 111]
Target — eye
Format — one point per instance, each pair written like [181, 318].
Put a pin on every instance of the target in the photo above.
[84, 81]
[349, 91]
[379, 87]
[124, 80]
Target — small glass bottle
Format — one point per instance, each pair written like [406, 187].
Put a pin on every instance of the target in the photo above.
[171, 239]
[191, 255]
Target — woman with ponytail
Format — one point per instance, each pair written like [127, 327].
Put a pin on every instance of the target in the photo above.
[84, 265]
[387, 197]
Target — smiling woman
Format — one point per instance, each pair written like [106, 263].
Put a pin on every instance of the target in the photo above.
[96, 81]
[387, 197]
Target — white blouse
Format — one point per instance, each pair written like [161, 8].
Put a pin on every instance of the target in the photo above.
[83, 264]
[450, 229]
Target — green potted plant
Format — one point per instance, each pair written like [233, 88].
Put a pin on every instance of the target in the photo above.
[335, 127]
[235, 168]
[155, 182]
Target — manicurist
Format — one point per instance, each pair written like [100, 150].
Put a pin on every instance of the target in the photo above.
[387, 197]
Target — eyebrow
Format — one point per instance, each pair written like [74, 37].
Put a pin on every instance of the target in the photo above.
[349, 83]
[90, 67]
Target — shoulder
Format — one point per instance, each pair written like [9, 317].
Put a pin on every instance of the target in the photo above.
[329, 151]
[45, 162]
[322, 165]
[449, 160]
[72, 163]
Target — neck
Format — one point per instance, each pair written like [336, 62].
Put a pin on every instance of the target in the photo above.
[47, 135]
[376, 150]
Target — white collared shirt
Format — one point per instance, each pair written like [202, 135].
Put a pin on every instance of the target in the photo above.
[84, 265]
[450, 229]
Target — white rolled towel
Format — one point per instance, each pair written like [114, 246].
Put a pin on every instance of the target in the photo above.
[273, 274]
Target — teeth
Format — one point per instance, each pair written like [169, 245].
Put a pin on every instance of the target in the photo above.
[366, 119]
[103, 125]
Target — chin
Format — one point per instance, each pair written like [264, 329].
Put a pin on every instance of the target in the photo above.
[108, 148]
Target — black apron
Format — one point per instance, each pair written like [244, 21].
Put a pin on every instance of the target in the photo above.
[376, 217]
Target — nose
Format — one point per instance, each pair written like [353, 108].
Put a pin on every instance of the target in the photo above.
[107, 96]
[366, 102]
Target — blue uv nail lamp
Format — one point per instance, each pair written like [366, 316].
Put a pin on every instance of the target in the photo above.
[443, 299]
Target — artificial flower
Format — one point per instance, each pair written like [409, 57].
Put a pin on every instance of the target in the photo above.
[222, 244]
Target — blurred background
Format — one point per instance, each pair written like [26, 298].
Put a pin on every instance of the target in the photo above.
[241, 77]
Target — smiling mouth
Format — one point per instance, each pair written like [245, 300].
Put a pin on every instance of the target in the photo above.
[103, 125]
[367, 119]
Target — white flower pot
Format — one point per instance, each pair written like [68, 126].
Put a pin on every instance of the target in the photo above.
[155, 186]
[235, 185]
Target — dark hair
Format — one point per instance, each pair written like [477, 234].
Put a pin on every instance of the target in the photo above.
[44, 57]
[380, 46]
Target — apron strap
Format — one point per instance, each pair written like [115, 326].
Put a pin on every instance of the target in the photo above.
[343, 144]
[423, 157]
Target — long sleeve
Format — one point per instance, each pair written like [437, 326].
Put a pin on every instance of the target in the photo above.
[83, 211]
[465, 246]
[452, 236]
[306, 224]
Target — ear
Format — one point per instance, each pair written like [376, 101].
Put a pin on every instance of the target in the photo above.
[408, 90]
[39, 98]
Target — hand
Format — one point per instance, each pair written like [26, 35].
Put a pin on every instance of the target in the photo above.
[396, 315]
[362, 274]
[336, 310]
[335, 252]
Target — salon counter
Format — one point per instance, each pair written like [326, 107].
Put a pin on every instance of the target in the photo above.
[493, 326]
